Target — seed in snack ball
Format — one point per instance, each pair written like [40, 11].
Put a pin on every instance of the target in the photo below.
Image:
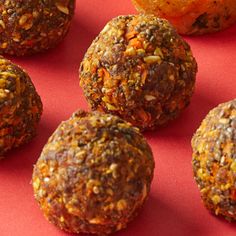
[192, 16]
[93, 174]
[31, 26]
[20, 106]
[140, 69]
[214, 160]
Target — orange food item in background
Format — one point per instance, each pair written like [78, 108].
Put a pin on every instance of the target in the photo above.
[192, 16]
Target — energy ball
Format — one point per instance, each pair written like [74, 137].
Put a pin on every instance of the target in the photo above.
[192, 16]
[93, 174]
[140, 69]
[214, 160]
[20, 107]
[31, 26]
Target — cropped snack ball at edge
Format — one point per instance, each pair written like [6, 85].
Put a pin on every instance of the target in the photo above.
[192, 16]
[214, 160]
[93, 174]
[20, 107]
[140, 69]
[31, 26]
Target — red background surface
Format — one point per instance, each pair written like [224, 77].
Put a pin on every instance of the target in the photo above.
[174, 206]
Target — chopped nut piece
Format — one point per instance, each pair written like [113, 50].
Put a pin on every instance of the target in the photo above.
[158, 52]
[130, 51]
[215, 199]
[121, 205]
[150, 97]
[233, 166]
[26, 21]
[36, 183]
[2, 24]
[96, 190]
[152, 59]
[62, 8]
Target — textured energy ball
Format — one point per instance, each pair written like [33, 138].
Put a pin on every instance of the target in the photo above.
[20, 107]
[192, 16]
[214, 160]
[93, 174]
[140, 69]
[31, 26]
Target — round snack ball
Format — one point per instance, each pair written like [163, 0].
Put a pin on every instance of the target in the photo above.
[192, 16]
[140, 69]
[93, 174]
[20, 106]
[31, 26]
[214, 160]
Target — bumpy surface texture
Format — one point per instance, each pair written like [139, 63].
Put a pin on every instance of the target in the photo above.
[20, 107]
[30, 26]
[93, 174]
[192, 16]
[140, 69]
[214, 160]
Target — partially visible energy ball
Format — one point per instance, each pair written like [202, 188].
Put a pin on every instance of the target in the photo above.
[140, 69]
[192, 16]
[214, 160]
[20, 107]
[31, 26]
[93, 174]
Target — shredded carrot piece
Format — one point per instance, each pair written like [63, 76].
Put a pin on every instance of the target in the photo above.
[131, 35]
[145, 116]
[136, 43]
[144, 76]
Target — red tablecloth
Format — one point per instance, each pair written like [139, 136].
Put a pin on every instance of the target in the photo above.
[174, 206]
